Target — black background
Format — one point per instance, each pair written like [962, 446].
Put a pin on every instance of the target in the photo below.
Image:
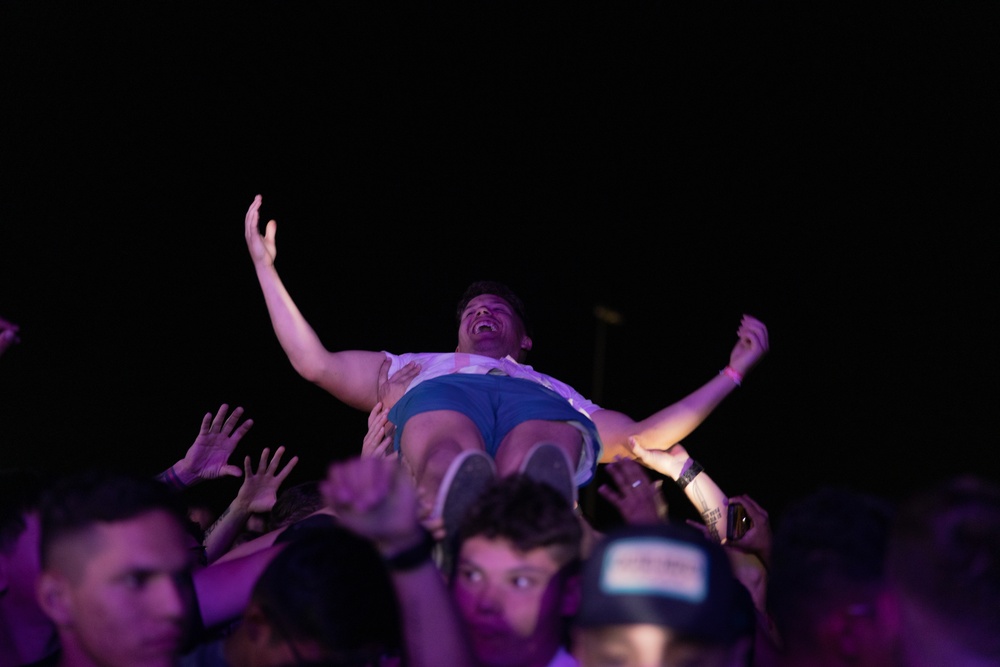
[831, 170]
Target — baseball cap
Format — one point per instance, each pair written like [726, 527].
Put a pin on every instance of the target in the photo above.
[665, 574]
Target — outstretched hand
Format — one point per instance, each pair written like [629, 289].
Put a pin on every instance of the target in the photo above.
[208, 456]
[259, 490]
[751, 346]
[263, 248]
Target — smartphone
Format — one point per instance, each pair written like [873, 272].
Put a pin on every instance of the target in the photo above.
[738, 523]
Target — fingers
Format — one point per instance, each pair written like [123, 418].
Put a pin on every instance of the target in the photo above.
[233, 419]
[276, 461]
[292, 462]
[230, 470]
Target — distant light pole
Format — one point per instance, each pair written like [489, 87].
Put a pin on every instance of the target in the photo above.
[605, 316]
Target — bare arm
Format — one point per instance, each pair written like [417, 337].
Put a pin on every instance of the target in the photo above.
[257, 494]
[375, 497]
[350, 376]
[676, 421]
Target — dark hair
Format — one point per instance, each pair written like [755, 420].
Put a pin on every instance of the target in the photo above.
[495, 288]
[827, 544]
[528, 513]
[78, 500]
[330, 585]
[944, 552]
[295, 503]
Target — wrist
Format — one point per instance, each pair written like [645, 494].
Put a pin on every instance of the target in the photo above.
[676, 463]
[409, 553]
[732, 374]
[691, 470]
[172, 478]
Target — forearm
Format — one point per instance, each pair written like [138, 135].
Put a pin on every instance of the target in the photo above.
[678, 420]
[219, 537]
[297, 338]
[432, 632]
[706, 497]
[223, 589]
[665, 427]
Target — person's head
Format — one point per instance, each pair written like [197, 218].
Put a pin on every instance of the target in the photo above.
[515, 577]
[327, 598]
[827, 578]
[943, 570]
[661, 594]
[493, 322]
[295, 503]
[115, 569]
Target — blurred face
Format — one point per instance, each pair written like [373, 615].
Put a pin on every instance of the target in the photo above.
[643, 645]
[490, 327]
[512, 604]
[121, 595]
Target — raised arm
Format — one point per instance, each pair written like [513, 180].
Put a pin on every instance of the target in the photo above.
[208, 456]
[257, 494]
[676, 421]
[376, 498]
[350, 376]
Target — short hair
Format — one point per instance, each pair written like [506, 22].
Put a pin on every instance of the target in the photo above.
[295, 503]
[826, 544]
[529, 513]
[330, 586]
[499, 289]
[78, 500]
[944, 554]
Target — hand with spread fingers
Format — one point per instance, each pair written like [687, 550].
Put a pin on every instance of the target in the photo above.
[638, 500]
[208, 456]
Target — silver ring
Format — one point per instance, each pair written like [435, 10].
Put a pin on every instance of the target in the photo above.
[636, 483]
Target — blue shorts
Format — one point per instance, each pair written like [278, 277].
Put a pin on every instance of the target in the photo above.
[496, 404]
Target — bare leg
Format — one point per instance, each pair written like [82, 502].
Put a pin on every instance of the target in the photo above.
[525, 435]
[429, 443]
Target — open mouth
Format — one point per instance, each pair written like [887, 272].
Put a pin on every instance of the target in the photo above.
[483, 326]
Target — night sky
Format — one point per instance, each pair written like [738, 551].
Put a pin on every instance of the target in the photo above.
[831, 171]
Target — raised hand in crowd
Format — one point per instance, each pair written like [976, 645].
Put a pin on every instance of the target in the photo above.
[208, 456]
[636, 498]
[257, 495]
[376, 498]
[706, 496]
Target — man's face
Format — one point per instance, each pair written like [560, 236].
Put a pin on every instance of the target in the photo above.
[121, 596]
[644, 645]
[512, 604]
[489, 327]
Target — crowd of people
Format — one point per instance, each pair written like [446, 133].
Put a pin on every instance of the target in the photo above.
[455, 536]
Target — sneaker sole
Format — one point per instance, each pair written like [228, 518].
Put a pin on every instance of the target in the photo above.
[548, 463]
